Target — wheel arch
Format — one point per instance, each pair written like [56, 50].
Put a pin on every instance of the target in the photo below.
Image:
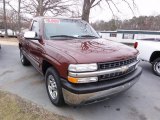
[46, 64]
[19, 45]
[155, 55]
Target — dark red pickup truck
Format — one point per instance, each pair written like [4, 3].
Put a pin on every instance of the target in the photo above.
[79, 66]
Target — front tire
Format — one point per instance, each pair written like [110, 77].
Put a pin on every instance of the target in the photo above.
[156, 66]
[53, 86]
[24, 60]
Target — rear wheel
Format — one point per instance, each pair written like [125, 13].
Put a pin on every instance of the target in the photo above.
[24, 60]
[53, 87]
[156, 66]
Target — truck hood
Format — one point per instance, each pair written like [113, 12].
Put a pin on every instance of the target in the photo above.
[93, 50]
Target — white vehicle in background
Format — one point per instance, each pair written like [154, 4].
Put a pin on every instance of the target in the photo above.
[9, 31]
[1, 30]
[149, 49]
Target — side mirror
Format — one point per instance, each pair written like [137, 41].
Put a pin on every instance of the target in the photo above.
[30, 35]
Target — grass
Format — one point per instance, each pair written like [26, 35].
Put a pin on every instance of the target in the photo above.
[13, 107]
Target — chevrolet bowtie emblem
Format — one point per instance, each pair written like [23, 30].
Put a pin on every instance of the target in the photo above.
[124, 68]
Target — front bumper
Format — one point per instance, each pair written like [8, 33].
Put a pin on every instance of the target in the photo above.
[89, 93]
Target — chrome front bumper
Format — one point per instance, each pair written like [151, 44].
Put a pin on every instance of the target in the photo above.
[76, 98]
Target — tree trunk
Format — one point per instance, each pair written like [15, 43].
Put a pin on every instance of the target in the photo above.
[86, 10]
[4, 18]
[40, 10]
[19, 17]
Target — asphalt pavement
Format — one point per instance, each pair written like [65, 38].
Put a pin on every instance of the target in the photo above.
[141, 102]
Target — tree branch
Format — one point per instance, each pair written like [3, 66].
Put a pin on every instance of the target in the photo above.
[96, 4]
[129, 6]
[115, 6]
[110, 8]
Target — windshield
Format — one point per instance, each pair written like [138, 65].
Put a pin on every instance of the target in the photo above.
[68, 28]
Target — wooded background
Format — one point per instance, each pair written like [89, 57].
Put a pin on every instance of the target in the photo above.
[16, 14]
[136, 23]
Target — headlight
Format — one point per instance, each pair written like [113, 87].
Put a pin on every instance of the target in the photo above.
[82, 67]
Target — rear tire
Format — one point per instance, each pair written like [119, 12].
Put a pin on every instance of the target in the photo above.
[53, 86]
[24, 60]
[156, 66]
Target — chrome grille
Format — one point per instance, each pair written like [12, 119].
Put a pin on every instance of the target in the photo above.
[109, 65]
[116, 64]
[116, 75]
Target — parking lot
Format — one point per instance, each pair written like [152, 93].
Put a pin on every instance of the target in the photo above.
[141, 102]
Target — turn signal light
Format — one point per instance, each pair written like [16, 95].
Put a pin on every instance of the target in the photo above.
[72, 80]
[82, 80]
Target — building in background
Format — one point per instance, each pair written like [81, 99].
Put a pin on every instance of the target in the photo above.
[130, 34]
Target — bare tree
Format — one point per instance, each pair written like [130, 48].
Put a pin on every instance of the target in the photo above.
[4, 18]
[36, 8]
[41, 7]
[88, 4]
[19, 17]
[17, 14]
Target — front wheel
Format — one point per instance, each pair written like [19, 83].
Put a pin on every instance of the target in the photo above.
[156, 66]
[24, 60]
[53, 87]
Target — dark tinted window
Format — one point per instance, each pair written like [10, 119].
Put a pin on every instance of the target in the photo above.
[113, 35]
[67, 27]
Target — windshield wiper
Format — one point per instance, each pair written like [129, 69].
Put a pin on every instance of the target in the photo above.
[68, 36]
[88, 36]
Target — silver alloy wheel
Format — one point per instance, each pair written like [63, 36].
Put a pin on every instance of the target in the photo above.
[157, 67]
[52, 87]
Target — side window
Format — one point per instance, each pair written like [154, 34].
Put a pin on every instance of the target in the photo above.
[35, 27]
[113, 35]
[128, 36]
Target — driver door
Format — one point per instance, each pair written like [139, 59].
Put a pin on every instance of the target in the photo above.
[36, 48]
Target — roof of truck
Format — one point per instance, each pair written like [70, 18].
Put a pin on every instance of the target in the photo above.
[48, 17]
